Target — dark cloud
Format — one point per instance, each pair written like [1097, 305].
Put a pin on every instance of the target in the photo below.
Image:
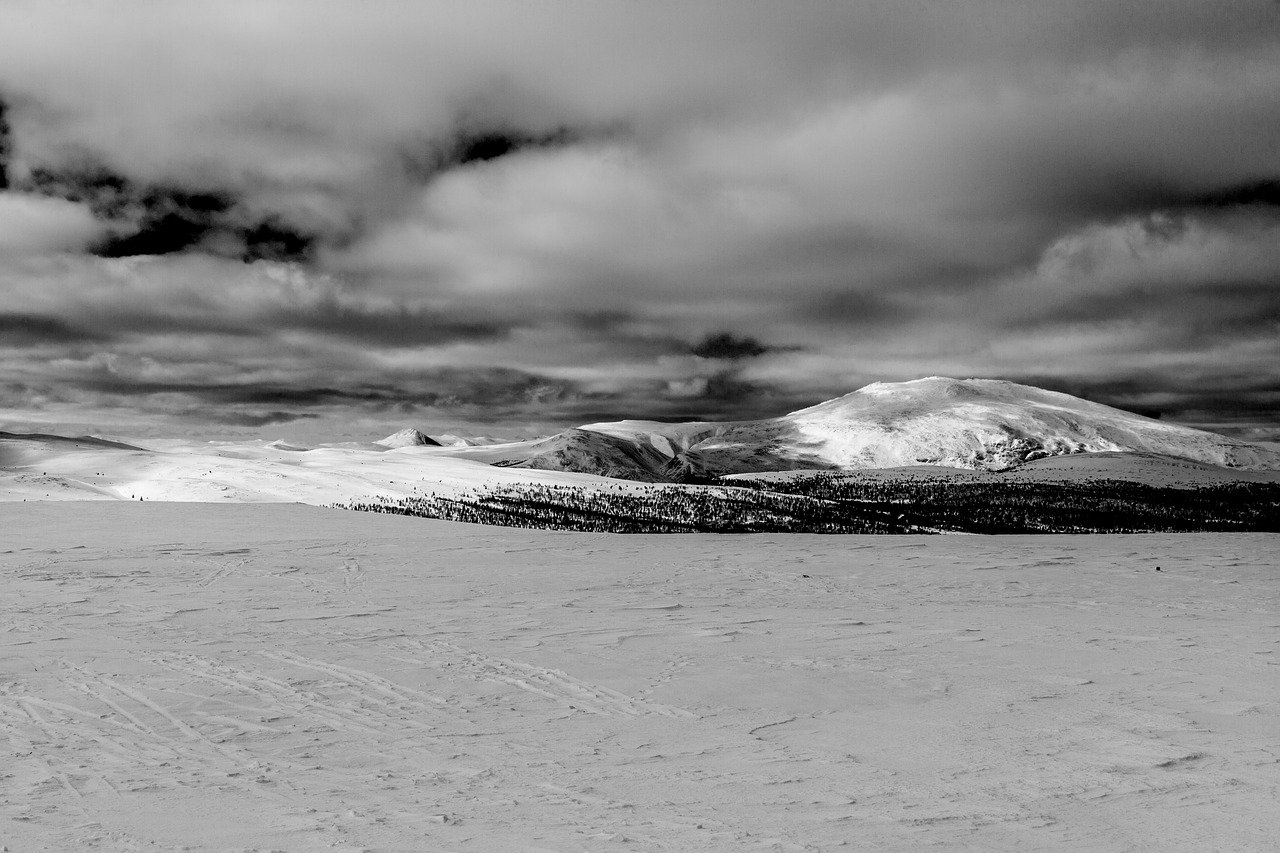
[1262, 193]
[729, 386]
[450, 387]
[468, 143]
[725, 345]
[232, 394]
[1132, 193]
[113, 196]
[500, 386]
[5, 145]
[254, 394]
[1127, 393]
[375, 326]
[25, 330]
[1155, 394]
[272, 239]
[159, 219]
[258, 419]
[480, 146]
[1180, 316]
[391, 326]
[854, 310]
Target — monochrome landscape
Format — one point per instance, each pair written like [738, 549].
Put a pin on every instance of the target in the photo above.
[195, 659]
[595, 425]
[933, 455]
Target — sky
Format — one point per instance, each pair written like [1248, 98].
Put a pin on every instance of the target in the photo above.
[331, 220]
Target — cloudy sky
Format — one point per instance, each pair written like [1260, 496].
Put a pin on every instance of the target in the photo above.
[333, 219]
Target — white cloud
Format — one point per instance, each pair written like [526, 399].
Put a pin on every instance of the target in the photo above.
[31, 225]
[1149, 260]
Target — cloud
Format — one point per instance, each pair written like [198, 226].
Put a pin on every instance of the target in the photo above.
[1264, 193]
[148, 298]
[5, 145]
[32, 225]
[22, 330]
[139, 219]
[480, 144]
[724, 345]
[317, 112]
[292, 196]
[1185, 271]
[257, 419]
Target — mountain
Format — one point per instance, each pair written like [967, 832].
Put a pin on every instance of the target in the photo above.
[23, 448]
[80, 441]
[408, 437]
[595, 453]
[977, 424]
[993, 425]
[937, 444]
[449, 439]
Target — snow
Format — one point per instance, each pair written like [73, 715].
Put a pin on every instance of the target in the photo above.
[223, 677]
[979, 424]
[993, 424]
[947, 424]
[451, 440]
[407, 437]
[42, 469]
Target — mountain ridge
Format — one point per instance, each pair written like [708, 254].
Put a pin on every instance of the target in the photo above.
[976, 424]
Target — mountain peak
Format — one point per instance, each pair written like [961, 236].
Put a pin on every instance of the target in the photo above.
[982, 424]
[985, 424]
[993, 424]
[408, 437]
[935, 393]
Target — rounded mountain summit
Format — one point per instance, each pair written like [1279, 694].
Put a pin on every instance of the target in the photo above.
[978, 424]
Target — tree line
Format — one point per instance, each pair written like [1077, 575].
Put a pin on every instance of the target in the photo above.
[836, 503]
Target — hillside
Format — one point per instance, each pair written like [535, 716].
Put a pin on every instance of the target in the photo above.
[408, 437]
[975, 424]
[994, 425]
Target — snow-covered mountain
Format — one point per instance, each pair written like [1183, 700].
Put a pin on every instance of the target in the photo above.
[408, 437]
[993, 425]
[979, 424]
[449, 439]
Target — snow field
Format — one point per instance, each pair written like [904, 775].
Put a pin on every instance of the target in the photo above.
[279, 677]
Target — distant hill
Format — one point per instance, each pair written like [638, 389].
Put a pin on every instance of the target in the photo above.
[976, 424]
[450, 440]
[928, 456]
[67, 441]
[408, 437]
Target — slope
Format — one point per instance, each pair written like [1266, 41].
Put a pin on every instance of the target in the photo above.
[974, 424]
[993, 425]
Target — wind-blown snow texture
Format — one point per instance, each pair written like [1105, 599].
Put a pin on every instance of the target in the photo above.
[271, 678]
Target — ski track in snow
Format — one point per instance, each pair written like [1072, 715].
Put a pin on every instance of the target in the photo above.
[285, 678]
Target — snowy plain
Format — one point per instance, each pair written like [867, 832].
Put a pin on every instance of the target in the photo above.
[275, 677]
